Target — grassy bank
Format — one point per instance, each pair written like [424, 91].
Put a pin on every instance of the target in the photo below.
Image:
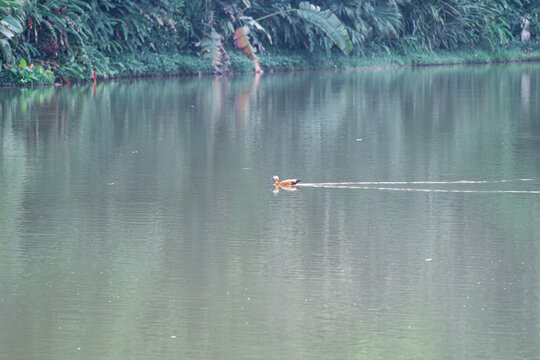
[171, 64]
[283, 61]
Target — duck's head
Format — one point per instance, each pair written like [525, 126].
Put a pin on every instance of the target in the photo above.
[276, 178]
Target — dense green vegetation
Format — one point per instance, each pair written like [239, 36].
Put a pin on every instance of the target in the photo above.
[72, 39]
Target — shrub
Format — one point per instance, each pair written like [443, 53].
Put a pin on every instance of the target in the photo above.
[24, 73]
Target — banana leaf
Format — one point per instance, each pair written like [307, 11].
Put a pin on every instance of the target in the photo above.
[241, 41]
[12, 4]
[211, 46]
[12, 24]
[327, 21]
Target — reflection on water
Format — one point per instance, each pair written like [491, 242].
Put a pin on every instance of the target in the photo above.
[140, 220]
[525, 92]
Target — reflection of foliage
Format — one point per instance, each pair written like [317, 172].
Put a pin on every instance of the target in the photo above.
[159, 224]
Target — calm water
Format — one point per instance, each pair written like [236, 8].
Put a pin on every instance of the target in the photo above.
[140, 221]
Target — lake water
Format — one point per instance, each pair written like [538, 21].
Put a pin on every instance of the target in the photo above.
[139, 220]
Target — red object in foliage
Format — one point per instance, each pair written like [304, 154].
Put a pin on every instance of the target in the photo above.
[127, 25]
[30, 23]
[67, 79]
[95, 75]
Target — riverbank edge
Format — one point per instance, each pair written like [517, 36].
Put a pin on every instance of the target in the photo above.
[141, 65]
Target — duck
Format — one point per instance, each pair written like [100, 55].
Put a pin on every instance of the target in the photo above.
[286, 183]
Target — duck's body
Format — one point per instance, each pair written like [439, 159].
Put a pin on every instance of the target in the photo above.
[287, 182]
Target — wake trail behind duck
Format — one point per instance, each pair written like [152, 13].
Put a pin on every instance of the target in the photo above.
[372, 185]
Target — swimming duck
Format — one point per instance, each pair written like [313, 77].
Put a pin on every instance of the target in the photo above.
[284, 183]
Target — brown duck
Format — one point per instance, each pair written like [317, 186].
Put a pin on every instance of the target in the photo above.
[285, 183]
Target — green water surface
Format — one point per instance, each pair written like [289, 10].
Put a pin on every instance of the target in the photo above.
[139, 220]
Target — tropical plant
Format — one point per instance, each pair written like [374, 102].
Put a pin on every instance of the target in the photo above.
[449, 24]
[11, 24]
[133, 25]
[511, 12]
[325, 20]
[79, 37]
[371, 23]
[24, 73]
[214, 49]
[76, 36]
